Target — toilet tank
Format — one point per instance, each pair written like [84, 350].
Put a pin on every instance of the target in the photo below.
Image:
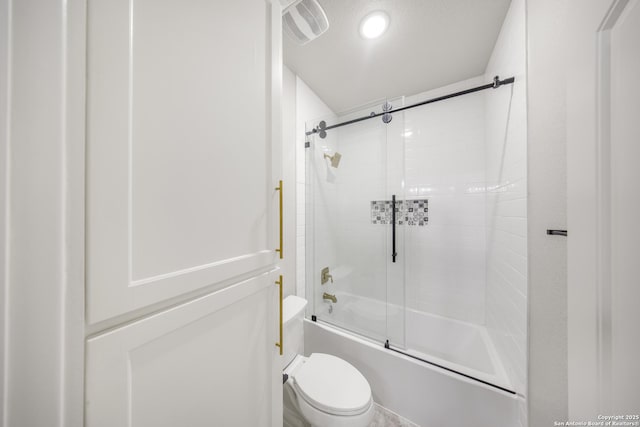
[292, 328]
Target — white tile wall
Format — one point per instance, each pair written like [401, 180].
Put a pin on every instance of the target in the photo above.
[523, 420]
[506, 148]
[308, 107]
[444, 162]
[361, 178]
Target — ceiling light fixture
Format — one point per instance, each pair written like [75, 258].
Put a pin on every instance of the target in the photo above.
[374, 25]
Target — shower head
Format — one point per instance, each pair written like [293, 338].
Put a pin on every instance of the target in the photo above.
[335, 159]
[304, 20]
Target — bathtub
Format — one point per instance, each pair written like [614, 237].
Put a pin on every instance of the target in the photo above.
[426, 394]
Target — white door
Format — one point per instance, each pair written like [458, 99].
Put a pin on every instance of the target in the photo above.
[603, 153]
[182, 126]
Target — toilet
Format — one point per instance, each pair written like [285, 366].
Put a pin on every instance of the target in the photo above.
[323, 390]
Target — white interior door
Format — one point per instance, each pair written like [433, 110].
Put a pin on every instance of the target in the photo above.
[179, 140]
[604, 236]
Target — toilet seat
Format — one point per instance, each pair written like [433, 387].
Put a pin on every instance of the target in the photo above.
[332, 385]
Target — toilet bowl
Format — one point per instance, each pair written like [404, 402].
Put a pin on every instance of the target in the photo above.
[326, 391]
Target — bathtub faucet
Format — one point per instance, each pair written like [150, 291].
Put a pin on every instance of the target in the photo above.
[325, 276]
[329, 297]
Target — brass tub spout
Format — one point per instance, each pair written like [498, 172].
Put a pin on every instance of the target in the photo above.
[329, 297]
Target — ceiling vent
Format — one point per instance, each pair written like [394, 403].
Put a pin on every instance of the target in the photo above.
[304, 20]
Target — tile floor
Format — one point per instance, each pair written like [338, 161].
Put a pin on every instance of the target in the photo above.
[385, 418]
[382, 418]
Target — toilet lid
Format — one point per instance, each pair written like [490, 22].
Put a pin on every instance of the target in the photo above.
[333, 385]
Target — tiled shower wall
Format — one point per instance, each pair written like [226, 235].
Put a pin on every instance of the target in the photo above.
[359, 180]
[444, 163]
[308, 105]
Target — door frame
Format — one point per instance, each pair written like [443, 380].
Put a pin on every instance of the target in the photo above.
[277, 173]
[589, 265]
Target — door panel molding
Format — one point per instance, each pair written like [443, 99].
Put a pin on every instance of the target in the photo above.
[133, 365]
[154, 231]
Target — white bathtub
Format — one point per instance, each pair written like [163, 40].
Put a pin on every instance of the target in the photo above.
[425, 394]
[460, 346]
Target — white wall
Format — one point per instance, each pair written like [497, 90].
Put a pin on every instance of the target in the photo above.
[4, 123]
[506, 165]
[546, 97]
[290, 181]
[35, 221]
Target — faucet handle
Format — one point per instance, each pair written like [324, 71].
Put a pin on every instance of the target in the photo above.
[325, 276]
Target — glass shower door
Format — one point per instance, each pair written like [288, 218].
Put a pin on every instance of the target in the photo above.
[460, 224]
[348, 214]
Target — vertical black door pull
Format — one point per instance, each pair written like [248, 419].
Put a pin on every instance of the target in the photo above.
[393, 228]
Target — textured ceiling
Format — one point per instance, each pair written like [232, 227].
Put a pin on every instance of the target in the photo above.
[429, 44]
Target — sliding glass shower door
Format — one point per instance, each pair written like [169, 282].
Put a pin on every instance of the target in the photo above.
[349, 229]
[416, 227]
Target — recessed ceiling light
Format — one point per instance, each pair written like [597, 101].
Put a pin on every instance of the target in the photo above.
[374, 25]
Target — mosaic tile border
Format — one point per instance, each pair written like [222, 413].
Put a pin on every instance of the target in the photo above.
[409, 212]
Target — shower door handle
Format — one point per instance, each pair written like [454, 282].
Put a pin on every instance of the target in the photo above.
[393, 229]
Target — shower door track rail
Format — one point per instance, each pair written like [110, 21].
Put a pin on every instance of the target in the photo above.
[494, 85]
[388, 347]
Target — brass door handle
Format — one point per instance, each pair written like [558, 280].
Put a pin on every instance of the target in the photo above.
[279, 283]
[280, 189]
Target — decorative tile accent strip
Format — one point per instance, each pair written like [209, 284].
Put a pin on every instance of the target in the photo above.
[417, 212]
[380, 213]
[410, 212]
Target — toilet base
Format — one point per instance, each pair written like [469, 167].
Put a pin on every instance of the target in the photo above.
[291, 414]
[297, 412]
[293, 417]
[318, 418]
